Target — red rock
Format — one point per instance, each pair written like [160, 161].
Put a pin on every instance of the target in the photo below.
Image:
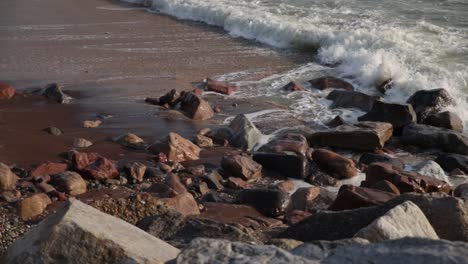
[195, 107]
[352, 197]
[236, 183]
[177, 148]
[293, 86]
[331, 82]
[220, 87]
[386, 186]
[295, 216]
[242, 167]
[6, 91]
[49, 168]
[136, 171]
[183, 203]
[334, 164]
[94, 166]
[81, 160]
[33, 206]
[290, 142]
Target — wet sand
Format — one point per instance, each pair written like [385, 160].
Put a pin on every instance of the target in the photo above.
[111, 56]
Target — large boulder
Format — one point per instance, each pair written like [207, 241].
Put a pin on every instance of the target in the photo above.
[426, 102]
[6, 91]
[244, 134]
[433, 137]
[8, 179]
[404, 220]
[195, 107]
[334, 164]
[398, 115]
[241, 166]
[55, 92]
[79, 233]
[176, 148]
[351, 99]
[445, 119]
[361, 136]
[326, 82]
[270, 203]
[450, 162]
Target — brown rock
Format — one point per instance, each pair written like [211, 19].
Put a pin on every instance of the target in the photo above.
[130, 140]
[386, 186]
[293, 86]
[287, 143]
[6, 91]
[242, 167]
[195, 107]
[236, 183]
[183, 203]
[92, 124]
[49, 168]
[177, 148]
[33, 206]
[171, 98]
[47, 188]
[334, 164]
[136, 171]
[70, 182]
[323, 83]
[10, 196]
[173, 181]
[399, 115]
[303, 196]
[214, 181]
[203, 141]
[8, 179]
[352, 197]
[220, 87]
[295, 216]
[94, 166]
[286, 186]
[337, 121]
[461, 191]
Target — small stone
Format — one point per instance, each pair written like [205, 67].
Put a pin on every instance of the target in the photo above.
[177, 148]
[220, 87]
[92, 124]
[136, 171]
[54, 131]
[70, 182]
[130, 140]
[203, 141]
[302, 197]
[48, 168]
[82, 143]
[287, 186]
[295, 216]
[236, 183]
[426, 102]
[8, 179]
[242, 167]
[6, 91]
[33, 206]
[55, 92]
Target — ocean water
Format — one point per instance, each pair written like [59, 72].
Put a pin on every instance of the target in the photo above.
[420, 44]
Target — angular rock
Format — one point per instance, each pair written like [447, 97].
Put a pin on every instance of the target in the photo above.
[130, 140]
[70, 182]
[270, 203]
[398, 115]
[287, 186]
[177, 148]
[48, 168]
[33, 206]
[78, 231]
[445, 119]
[195, 107]
[293, 87]
[214, 181]
[287, 144]
[426, 102]
[351, 99]
[93, 165]
[203, 141]
[220, 87]
[82, 143]
[369, 158]
[136, 171]
[326, 82]
[8, 179]
[236, 183]
[433, 137]
[352, 197]
[361, 136]
[295, 216]
[6, 91]
[91, 123]
[431, 169]
[292, 166]
[337, 121]
[172, 98]
[54, 131]
[244, 134]
[404, 220]
[55, 92]
[334, 164]
[385, 186]
[242, 167]
[450, 162]
[183, 203]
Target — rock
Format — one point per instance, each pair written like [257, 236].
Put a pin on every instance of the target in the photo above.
[319, 177]
[93, 165]
[220, 87]
[163, 225]
[130, 140]
[293, 87]
[78, 231]
[445, 119]
[82, 143]
[136, 171]
[431, 169]
[270, 203]
[369, 158]
[351, 99]
[323, 83]
[426, 102]
[461, 191]
[154, 101]
[287, 186]
[214, 251]
[33, 206]
[236, 183]
[403, 180]
[361, 136]
[70, 182]
[318, 250]
[295, 216]
[47, 188]
[337, 121]
[385, 186]
[432, 137]
[48, 168]
[8, 179]
[6, 91]
[177, 148]
[172, 98]
[196, 170]
[214, 181]
[352, 197]
[203, 141]
[55, 92]
[457, 172]
[385, 86]
[173, 181]
[404, 220]
[450, 162]
[53, 131]
[242, 167]
[92, 124]
[195, 107]
[334, 164]
[245, 134]
[415, 250]
[284, 243]
[292, 166]
[287, 144]
[398, 115]
[10, 196]
[183, 203]
[302, 197]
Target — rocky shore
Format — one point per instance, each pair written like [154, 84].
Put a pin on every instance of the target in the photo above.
[390, 188]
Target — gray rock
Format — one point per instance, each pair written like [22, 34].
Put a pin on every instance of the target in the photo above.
[426, 102]
[351, 99]
[445, 119]
[402, 251]
[80, 233]
[212, 251]
[268, 202]
[163, 225]
[451, 162]
[369, 158]
[432, 169]
[320, 249]
[398, 115]
[289, 165]
[245, 134]
[433, 137]
[404, 220]
[82, 143]
[54, 131]
[55, 92]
